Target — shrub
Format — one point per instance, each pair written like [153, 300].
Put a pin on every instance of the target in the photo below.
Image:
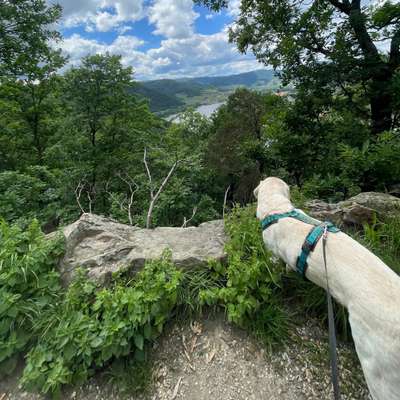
[250, 282]
[383, 238]
[94, 326]
[29, 286]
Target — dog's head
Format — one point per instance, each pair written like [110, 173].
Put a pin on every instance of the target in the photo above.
[272, 186]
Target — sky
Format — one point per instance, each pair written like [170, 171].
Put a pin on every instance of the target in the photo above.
[158, 38]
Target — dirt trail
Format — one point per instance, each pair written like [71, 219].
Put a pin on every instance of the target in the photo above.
[211, 359]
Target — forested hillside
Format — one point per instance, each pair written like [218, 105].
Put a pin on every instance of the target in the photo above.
[84, 139]
[167, 96]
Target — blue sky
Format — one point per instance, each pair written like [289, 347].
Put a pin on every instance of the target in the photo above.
[158, 38]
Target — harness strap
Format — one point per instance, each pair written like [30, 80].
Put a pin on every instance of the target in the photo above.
[296, 214]
[319, 230]
[308, 246]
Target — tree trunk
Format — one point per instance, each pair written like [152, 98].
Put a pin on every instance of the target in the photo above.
[378, 71]
[381, 113]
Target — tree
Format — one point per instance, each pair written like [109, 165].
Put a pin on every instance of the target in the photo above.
[32, 100]
[25, 31]
[326, 44]
[104, 132]
[235, 150]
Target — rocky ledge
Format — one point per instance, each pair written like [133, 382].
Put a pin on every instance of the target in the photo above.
[104, 246]
[357, 210]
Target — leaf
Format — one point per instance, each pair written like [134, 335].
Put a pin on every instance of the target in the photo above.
[96, 342]
[139, 341]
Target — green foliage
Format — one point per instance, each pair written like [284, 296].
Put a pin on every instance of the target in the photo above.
[251, 280]
[26, 26]
[326, 47]
[94, 326]
[29, 286]
[37, 193]
[383, 238]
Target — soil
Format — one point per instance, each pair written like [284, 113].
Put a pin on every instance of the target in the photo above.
[209, 358]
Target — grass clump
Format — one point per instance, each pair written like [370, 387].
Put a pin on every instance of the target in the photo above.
[29, 287]
[383, 239]
[249, 285]
[97, 325]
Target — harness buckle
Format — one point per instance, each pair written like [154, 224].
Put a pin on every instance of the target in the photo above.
[325, 234]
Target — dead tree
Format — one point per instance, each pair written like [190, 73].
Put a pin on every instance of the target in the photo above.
[225, 200]
[82, 187]
[186, 221]
[126, 203]
[154, 196]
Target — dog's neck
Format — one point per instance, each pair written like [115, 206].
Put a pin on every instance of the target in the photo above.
[272, 203]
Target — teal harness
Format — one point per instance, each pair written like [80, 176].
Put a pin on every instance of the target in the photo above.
[312, 238]
[318, 230]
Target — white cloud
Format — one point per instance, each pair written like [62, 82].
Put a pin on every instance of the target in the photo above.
[234, 8]
[183, 52]
[77, 47]
[193, 56]
[172, 18]
[100, 15]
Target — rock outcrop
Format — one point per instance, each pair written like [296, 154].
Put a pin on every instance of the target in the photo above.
[357, 210]
[103, 246]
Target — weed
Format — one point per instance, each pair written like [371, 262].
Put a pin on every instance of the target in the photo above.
[98, 325]
[383, 238]
[251, 290]
[29, 287]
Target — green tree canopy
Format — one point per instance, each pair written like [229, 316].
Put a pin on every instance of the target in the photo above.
[328, 44]
[25, 31]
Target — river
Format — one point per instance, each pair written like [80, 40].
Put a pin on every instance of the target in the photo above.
[206, 110]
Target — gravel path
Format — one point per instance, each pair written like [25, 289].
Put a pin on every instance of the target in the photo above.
[211, 359]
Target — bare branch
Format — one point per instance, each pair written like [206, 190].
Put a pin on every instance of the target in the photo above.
[186, 221]
[131, 184]
[133, 187]
[90, 200]
[225, 200]
[148, 171]
[154, 197]
[78, 193]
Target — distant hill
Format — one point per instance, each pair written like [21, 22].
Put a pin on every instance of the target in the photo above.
[248, 79]
[169, 96]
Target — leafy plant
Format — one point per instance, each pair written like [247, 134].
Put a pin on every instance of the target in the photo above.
[29, 286]
[94, 326]
[250, 282]
[383, 238]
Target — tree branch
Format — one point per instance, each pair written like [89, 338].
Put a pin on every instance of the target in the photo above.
[394, 55]
[78, 193]
[148, 171]
[186, 221]
[344, 6]
[154, 197]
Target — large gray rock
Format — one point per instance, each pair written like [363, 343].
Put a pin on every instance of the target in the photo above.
[357, 210]
[104, 246]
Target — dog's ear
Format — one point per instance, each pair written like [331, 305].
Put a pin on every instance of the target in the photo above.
[256, 191]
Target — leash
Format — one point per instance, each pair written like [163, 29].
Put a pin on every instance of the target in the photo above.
[319, 230]
[331, 320]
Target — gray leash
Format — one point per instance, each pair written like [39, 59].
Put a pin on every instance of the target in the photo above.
[332, 333]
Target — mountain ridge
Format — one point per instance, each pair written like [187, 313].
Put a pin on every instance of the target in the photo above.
[169, 96]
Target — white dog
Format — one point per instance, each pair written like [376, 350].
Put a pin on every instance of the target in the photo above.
[358, 279]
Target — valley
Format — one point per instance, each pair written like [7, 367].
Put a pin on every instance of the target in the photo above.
[168, 97]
